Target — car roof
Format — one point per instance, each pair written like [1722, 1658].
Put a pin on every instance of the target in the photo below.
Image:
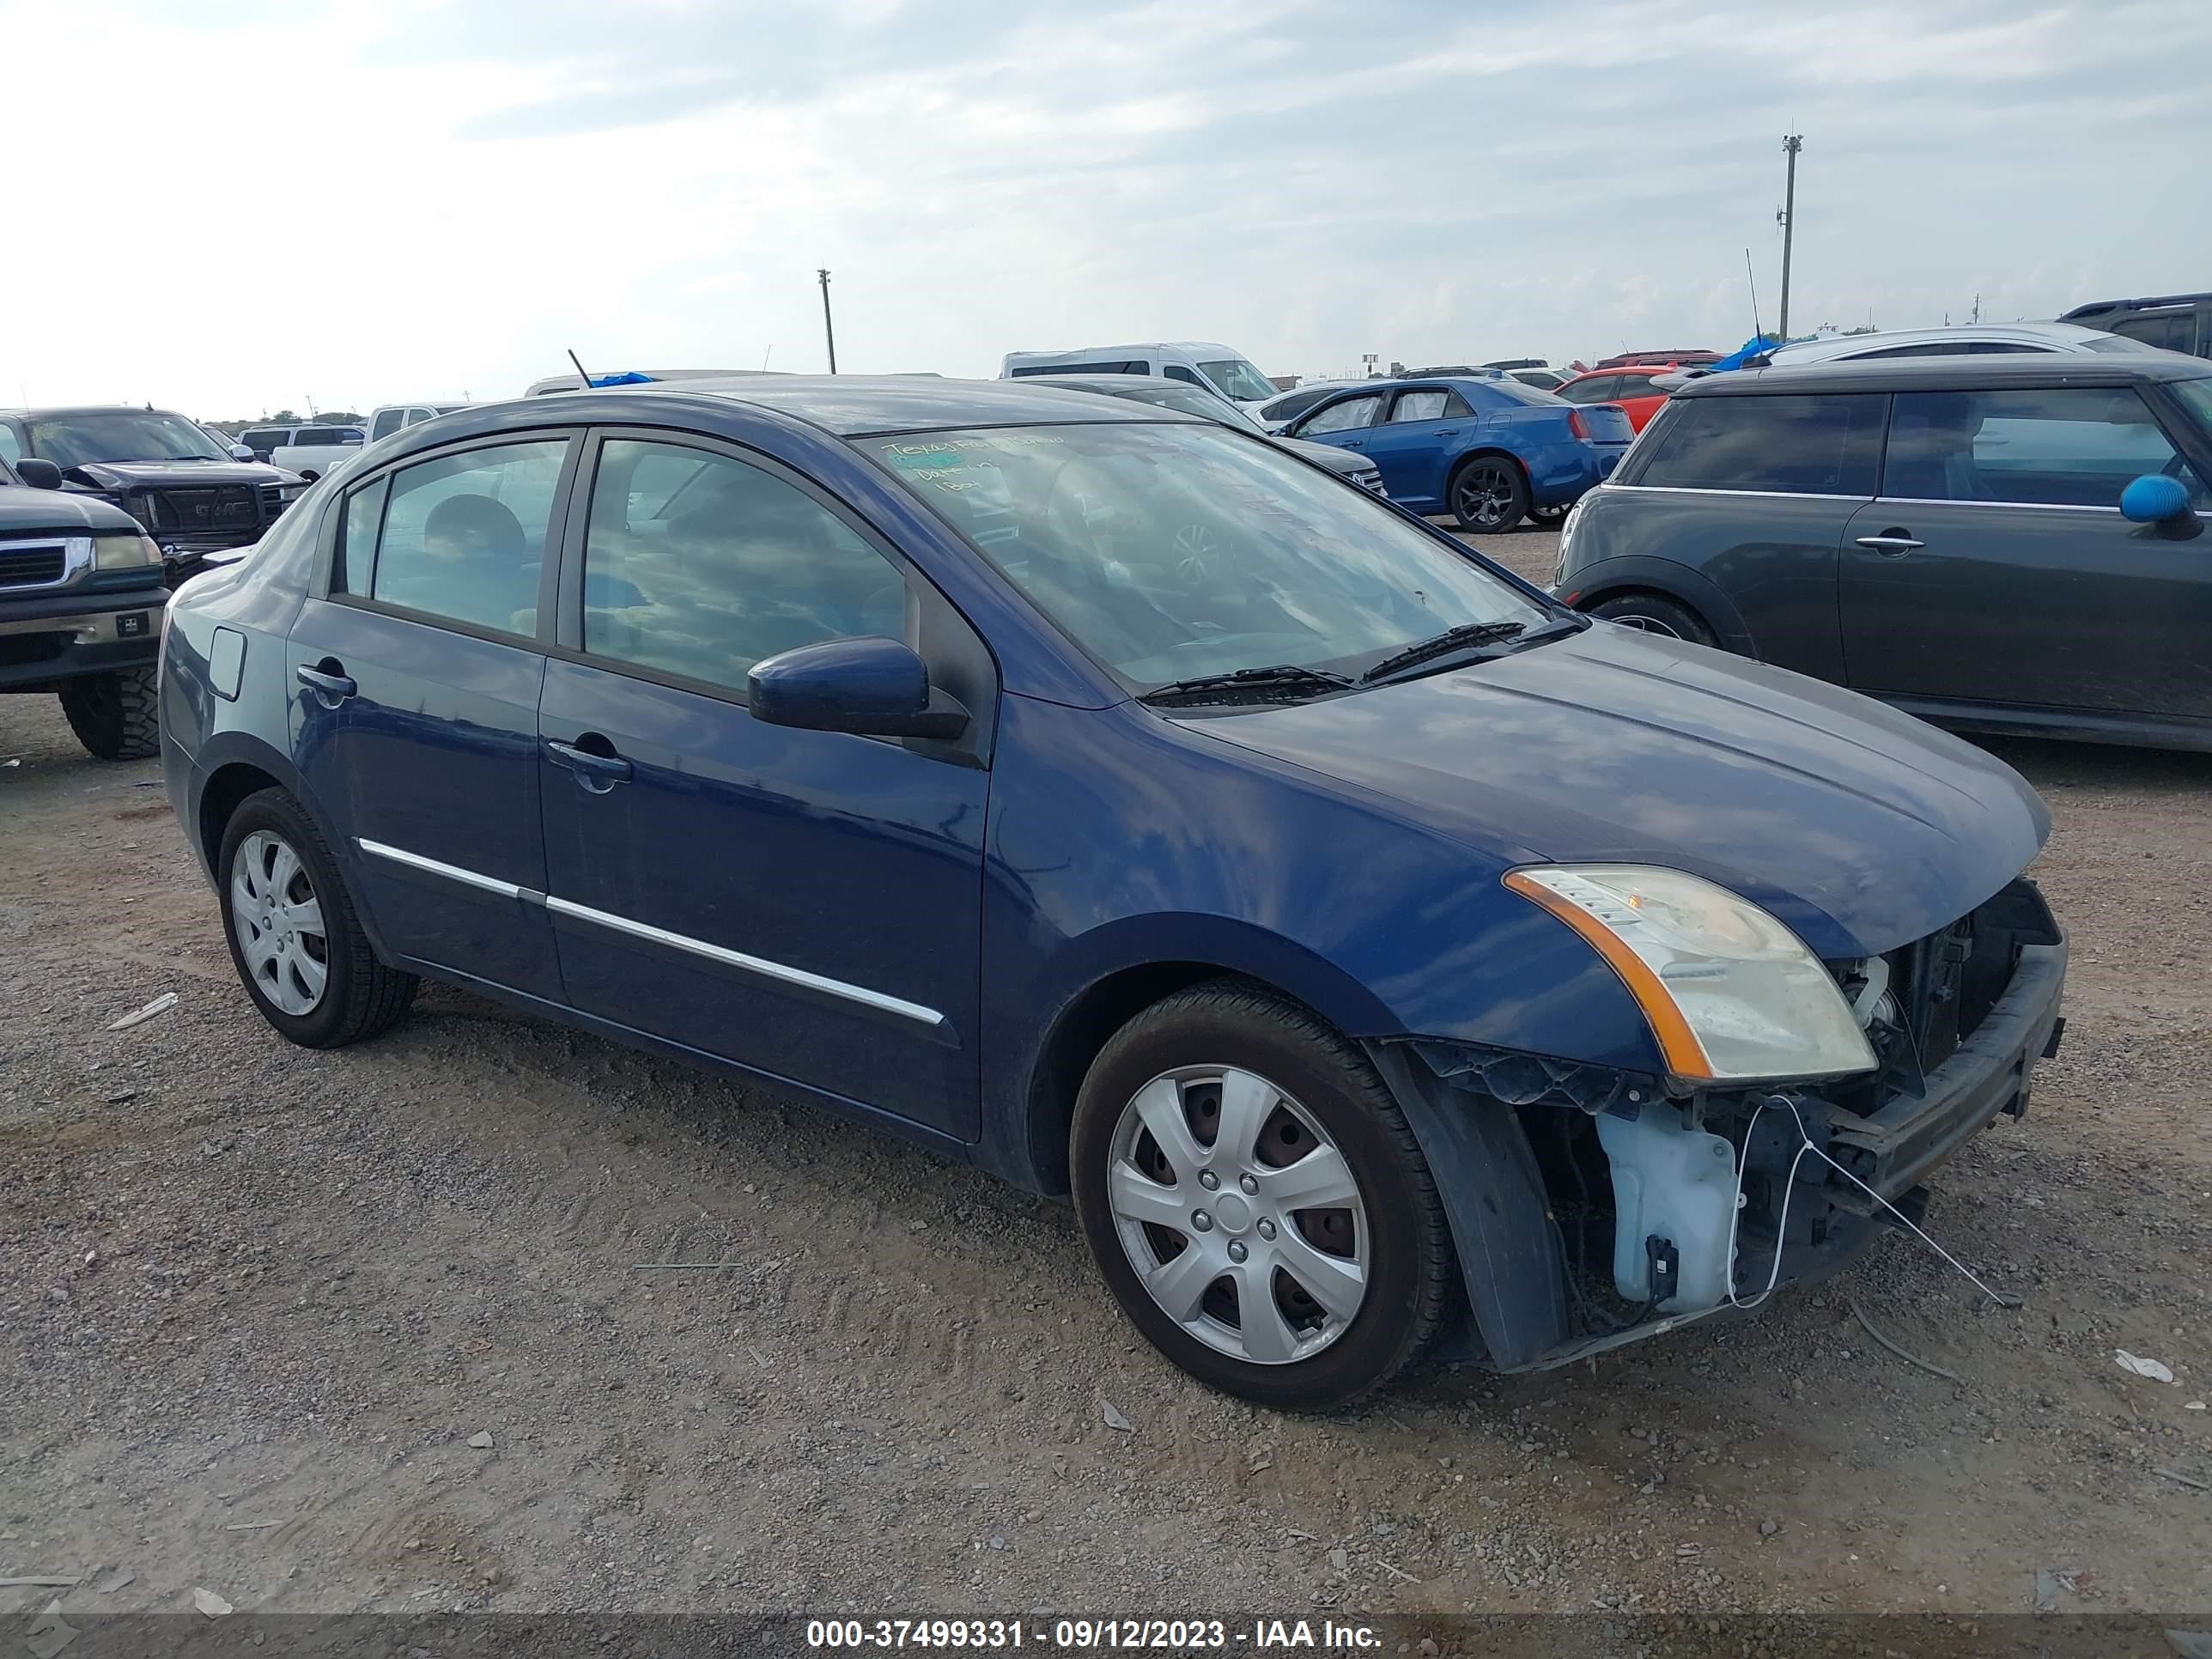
[1954, 373]
[1074, 352]
[52, 410]
[2105, 307]
[864, 405]
[2063, 334]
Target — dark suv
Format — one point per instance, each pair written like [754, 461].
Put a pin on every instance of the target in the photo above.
[179, 484]
[2176, 322]
[2010, 543]
[81, 605]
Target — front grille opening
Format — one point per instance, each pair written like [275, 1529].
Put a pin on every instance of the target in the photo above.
[30, 567]
[1942, 987]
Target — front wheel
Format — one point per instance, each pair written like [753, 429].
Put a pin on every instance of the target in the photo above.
[1256, 1200]
[1489, 494]
[115, 715]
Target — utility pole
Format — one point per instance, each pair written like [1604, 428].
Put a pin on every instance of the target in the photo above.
[1791, 144]
[828, 333]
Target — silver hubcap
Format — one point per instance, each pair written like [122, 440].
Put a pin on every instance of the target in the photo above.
[1646, 624]
[1239, 1214]
[279, 923]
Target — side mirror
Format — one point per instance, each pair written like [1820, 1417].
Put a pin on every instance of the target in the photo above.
[2160, 499]
[37, 474]
[240, 452]
[870, 686]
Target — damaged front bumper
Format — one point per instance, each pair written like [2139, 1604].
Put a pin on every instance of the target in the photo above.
[1535, 1201]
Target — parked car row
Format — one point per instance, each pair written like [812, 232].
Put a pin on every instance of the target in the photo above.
[1052, 712]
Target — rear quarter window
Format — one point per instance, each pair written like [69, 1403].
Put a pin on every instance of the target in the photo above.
[1808, 445]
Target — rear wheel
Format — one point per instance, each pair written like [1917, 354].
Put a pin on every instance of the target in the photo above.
[114, 715]
[1654, 613]
[294, 937]
[1489, 493]
[1256, 1200]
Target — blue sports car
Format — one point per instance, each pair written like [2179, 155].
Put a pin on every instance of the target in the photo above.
[1384, 958]
[1483, 447]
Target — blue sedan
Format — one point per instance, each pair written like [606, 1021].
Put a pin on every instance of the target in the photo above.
[1484, 448]
[1385, 959]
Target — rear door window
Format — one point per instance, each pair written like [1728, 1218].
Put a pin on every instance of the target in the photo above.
[464, 537]
[2174, 332]
[1346, 417]
[2063, 446]
[1428, 403]
[1795, 445]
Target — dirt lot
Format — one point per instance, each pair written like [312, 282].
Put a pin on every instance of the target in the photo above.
[258, 1307]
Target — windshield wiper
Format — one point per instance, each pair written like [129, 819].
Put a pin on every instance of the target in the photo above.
[1249, 686]
[1468, 636]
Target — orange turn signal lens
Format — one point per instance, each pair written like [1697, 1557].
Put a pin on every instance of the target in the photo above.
[1679, 1046]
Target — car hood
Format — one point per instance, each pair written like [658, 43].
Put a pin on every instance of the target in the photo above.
[1347, 461]
[25, 511]
[1860, 827]
[140, 475]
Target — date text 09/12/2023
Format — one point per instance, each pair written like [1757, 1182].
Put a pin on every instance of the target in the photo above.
[1090, 1634]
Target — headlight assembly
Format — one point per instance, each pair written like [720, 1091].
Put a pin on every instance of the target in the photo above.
[1730, 993]
[123, 551]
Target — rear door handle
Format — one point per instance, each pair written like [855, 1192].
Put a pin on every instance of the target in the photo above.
[597, 773]
[1891, 544]
[331, 685]
[1448, 432]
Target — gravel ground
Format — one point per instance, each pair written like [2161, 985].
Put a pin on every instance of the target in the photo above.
[366, 1329]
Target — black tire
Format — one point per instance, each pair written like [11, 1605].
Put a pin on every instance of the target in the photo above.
[1410, 1260]
[116, 716]
[360, 997]
[1549, 516]
[1654, 613]
[1488, 495]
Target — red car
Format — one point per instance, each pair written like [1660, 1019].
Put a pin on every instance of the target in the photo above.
[1630, 387]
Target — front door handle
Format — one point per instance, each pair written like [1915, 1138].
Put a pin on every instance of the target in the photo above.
[1891, 544]
[595, 772]
[328, 680]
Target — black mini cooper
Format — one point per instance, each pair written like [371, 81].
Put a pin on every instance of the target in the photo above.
[1995, 543]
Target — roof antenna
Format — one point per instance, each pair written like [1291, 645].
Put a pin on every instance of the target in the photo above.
[581, 377]
[1750, 277]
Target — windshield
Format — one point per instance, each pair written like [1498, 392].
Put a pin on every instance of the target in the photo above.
[1238, 381]
[1172, 551]
[2197, 397]
[120, 435]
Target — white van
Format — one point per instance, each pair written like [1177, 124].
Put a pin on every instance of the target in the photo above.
[1194, 362]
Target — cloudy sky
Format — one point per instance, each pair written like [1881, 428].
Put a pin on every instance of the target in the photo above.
[228, 207]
